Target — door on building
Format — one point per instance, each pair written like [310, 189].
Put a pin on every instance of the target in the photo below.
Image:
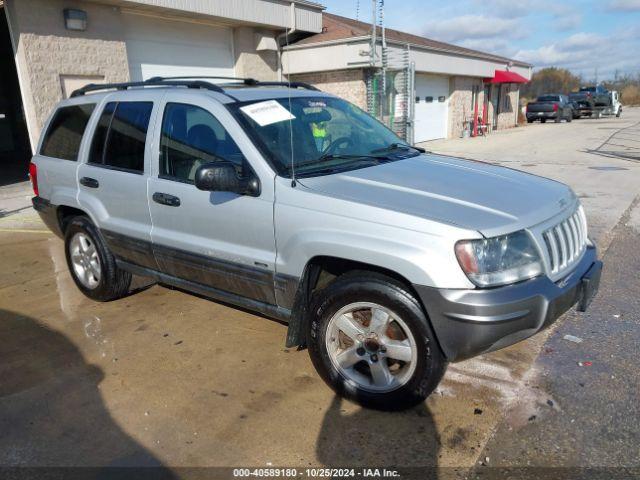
[15, 150]
[495, 102]
[431, 107]
[162, 47]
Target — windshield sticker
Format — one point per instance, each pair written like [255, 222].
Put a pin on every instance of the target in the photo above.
[266, 113]
[316, 103]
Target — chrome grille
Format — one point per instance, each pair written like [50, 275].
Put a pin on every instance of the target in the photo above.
[566, 241]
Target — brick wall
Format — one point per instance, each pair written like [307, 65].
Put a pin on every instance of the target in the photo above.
[508, 115]
[48, 53]
[347, 84]
[461, 107]
[46, 50]
[250, 63]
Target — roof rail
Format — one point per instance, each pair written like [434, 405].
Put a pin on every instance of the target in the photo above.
[153, 82]
[246, 81]
[304, 85]
[196, 82]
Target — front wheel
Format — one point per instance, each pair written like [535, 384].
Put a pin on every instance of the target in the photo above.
[370, 340]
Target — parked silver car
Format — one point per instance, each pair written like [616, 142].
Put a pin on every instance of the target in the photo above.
[386, 262]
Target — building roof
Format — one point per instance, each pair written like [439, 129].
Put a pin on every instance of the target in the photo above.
[336, 28]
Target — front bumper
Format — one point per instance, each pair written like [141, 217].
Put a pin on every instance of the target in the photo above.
[472, 322]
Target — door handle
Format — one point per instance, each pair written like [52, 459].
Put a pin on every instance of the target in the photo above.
[89, 182]
[166, 199]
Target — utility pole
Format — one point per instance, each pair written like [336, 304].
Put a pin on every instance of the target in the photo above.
[374, 28]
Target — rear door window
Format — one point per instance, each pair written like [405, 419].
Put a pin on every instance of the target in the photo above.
[65, 132]
[120, 136]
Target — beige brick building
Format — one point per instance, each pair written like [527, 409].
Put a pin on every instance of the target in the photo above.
[450, 86]
[48, 48]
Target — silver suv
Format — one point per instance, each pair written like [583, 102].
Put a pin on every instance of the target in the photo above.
[386, 262]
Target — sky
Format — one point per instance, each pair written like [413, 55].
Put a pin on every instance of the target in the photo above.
[580, 35]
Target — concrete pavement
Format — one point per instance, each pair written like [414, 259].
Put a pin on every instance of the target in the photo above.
[167, 378]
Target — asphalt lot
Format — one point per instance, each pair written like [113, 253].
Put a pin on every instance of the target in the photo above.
[167, 378]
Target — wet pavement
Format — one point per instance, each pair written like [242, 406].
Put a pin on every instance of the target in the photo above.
[166, 378]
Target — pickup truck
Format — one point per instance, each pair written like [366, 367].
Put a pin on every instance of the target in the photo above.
[587, 104]
[590, 100]
[550, 107]
[386, 262]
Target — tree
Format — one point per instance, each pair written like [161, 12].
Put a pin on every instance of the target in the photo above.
[551, 80]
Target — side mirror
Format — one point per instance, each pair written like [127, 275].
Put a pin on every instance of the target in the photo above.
[222, 177]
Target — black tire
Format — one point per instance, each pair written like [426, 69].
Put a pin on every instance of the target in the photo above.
[114, 282]
[619, 113]
[529, 120]
[569, 118]
[543, 120]
[375, 288]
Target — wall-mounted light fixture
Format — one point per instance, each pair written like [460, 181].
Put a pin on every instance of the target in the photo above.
[75, 19]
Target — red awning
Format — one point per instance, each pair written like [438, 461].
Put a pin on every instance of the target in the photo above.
[505, 76]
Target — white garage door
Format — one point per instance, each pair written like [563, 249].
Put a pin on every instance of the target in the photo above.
[159, 47]
[432, 107]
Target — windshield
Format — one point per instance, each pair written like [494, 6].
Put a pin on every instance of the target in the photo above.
[325, 134]
[588, 89]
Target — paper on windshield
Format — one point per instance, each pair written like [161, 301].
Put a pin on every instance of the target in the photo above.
[266, 113]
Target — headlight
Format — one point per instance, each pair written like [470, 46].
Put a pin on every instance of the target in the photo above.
[500, 260]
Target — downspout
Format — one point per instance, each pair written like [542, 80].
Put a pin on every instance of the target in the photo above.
[285, 34]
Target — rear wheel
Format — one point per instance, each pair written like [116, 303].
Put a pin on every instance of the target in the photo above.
[543, 120]
[91, 264]
[371, 342]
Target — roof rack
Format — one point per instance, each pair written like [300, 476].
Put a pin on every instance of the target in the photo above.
[195, 82]
[246, 81]
[304, 85]
[154, 82]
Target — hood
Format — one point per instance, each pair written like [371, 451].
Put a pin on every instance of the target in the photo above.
[473, 195]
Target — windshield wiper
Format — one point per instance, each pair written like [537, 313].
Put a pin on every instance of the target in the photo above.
[397, 146]
[337, 156]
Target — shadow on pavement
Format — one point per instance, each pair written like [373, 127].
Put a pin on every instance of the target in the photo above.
[52, 413]
[369, 438]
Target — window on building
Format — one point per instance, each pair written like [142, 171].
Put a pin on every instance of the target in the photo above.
[191, 136]
[121, 134]
[65, 132]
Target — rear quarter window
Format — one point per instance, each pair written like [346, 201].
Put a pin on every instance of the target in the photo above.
[64, 135]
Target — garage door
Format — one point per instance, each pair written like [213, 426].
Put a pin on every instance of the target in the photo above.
[432, 107]
[159, 47]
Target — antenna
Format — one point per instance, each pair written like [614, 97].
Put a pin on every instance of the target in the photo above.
[357, 9]
[293, 163]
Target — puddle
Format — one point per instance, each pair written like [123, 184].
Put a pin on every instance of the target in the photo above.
[93, 331]
[510, 382]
